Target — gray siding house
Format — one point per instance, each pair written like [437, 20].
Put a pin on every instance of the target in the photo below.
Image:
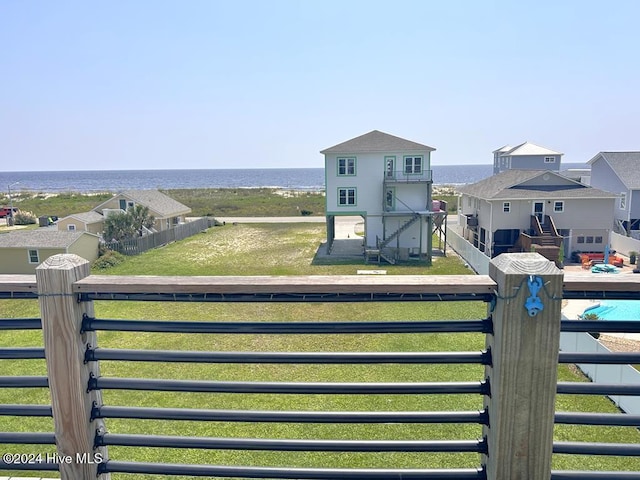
[525, 210]
[619, 173]
[525, 156]
[387, 181]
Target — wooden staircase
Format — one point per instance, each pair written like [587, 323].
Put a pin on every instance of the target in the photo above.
[544, 239]
[381, 244]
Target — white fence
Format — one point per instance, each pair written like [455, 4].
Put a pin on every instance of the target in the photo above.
[623, 244]
[474, 257]
[585, 343]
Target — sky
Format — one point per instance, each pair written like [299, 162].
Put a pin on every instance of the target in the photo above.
[162, 84]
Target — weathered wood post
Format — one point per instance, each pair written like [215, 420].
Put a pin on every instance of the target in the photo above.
[523, 374]
[68, 374]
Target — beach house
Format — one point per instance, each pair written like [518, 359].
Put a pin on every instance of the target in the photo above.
[533, 210]
[527, 156]
[619, 173]
[166, 211]
[23, 250]
[387, 181]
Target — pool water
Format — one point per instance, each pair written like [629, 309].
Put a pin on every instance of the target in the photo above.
[616, 310]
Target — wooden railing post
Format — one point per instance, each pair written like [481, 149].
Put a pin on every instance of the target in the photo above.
[523, 374]
[68, 374]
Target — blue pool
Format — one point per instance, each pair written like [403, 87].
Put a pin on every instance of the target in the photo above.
[616, 310]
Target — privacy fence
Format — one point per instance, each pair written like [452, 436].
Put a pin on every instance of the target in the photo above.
[138, 245]
[515, 388]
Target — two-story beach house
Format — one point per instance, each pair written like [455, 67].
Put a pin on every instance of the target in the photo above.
[386, 180]
[527, 156]
[525, 210]
[619, 173]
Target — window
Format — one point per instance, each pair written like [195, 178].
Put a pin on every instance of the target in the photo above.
[347, 166]
[346, 196]
[589, 239]
[598, 240]
[412, 165]
[549, 159]
[71, 227]
[33, 256]
[558, 206]
[580, 239]
[506, 207]
[623, 201]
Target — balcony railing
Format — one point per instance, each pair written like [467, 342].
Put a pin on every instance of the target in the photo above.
[523, 294]
[408, 176]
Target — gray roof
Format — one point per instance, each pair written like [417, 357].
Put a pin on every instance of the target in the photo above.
[507, 186]
[626, 165]
[160, 204]
[87, 217]
[377, 142]
[45, 238]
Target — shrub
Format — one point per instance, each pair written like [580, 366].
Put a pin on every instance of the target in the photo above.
[107, 260]
[24, 218]
[305, 212]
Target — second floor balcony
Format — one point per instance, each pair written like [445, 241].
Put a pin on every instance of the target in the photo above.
[408, 176]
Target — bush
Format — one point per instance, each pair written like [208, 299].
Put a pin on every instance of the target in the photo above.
[24, 218]
[107, 260]
[305, 212]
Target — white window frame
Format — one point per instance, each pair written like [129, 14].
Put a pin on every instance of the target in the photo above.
[623, 201]
[31, 257]
[71, 227]
[549, 159]
[558, 206]
[350, 196]
[413, 165]
[346, 166]
[506, 207]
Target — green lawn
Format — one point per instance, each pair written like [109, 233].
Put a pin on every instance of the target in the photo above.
[288, 250]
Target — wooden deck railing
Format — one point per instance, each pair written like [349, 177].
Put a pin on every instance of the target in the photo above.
[523, 293]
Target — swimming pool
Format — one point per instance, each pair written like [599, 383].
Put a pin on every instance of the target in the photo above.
[616, 310]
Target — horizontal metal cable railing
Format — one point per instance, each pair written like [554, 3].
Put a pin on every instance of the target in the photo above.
[285, 388]
[23, 410]
[586, 327]
[510, 296]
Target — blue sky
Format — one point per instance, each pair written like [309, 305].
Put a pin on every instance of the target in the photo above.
[258, 84]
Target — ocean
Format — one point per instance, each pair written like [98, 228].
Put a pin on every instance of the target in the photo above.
[86, 181]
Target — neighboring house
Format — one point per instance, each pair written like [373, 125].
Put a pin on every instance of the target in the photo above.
[526, 156]
[91, 222]
[619, 173]
[166, 211]
[386, 180]
[524, 210]
[22, 251]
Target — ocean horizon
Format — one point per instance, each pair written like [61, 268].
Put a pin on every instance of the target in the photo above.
[313, 179]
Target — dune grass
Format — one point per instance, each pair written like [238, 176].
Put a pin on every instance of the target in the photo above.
[287, 250]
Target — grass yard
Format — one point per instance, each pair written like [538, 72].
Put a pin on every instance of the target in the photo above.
[270, 249]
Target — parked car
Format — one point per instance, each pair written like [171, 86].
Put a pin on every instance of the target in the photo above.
[5, 211]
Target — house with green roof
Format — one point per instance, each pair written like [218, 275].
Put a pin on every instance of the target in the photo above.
[619, 173]
[524, 210]
[22, 251]
[387, 181]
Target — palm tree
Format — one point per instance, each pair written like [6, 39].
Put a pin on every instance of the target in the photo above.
[118, 226]
[140, 218]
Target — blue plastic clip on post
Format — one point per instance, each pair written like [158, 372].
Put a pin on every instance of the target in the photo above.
[533, 304]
